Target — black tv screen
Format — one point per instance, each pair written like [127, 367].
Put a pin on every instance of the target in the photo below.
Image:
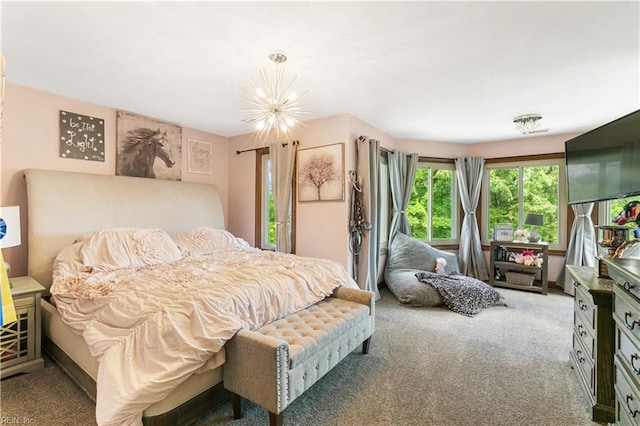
[604, 163]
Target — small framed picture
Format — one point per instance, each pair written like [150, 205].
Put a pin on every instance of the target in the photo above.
[503, 232]
[199, 157]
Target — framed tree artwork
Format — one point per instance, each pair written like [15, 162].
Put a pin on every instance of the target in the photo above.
[321, 173]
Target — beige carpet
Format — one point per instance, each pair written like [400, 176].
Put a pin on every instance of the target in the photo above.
[506, 366]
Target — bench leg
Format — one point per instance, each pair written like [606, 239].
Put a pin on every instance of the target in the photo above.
[236, 403]
[275, 419]
[365, 346]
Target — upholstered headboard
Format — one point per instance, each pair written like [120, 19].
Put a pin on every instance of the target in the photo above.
[62, 206]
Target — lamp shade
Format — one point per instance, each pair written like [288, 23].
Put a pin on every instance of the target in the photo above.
[10, 226]
[534, 219]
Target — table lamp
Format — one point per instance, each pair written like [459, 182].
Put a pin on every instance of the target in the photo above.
[9, 229]
[534, 220]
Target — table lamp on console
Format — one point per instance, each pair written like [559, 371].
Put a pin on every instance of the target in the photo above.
[534, 220]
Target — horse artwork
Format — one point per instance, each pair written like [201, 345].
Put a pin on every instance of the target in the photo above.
[148, 148]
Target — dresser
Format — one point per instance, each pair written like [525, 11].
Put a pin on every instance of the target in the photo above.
[593, 340]
[626, 314]
[20, 340]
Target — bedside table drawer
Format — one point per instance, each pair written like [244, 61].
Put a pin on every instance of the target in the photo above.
[22, 301]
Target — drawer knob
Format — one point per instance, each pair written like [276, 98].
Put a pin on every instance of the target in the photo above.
[631, 412]
[580, 357]
[581, 331]
[627, 285]
[582, 305]
[635, 370]
[626, 321]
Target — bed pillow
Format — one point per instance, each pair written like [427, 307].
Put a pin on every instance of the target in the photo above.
[117, 248]
[204, 241]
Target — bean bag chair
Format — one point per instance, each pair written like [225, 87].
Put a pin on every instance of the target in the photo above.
[408, 256]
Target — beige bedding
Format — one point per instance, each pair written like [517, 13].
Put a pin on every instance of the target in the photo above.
[152, 326]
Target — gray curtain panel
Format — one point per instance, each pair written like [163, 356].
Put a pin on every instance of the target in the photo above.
[581, 249]
[282, 163]
[469, 176]
[368, 167]
[402, 173]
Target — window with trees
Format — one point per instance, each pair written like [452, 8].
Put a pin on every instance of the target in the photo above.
[511, 190]
[265, 205]
[433, 210]
[610, 209]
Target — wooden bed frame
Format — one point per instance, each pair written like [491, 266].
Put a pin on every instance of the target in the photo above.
[63, 206]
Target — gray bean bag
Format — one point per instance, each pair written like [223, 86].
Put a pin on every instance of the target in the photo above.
[408, 256]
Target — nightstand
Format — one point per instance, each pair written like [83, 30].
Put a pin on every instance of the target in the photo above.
[20, 340]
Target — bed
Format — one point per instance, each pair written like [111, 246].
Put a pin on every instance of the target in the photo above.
[64, 207]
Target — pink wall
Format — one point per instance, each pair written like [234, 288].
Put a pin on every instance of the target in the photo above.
[321, 227]
[30, 140]
[30, 135]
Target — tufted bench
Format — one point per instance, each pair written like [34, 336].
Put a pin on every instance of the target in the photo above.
[275, 364]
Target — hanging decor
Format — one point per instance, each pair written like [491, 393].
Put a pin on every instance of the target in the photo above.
[273, 105]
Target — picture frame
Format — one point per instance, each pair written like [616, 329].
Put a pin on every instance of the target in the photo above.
[199, 157]
[503, 232]
[81, 136]
[135, 135]
[321, 173]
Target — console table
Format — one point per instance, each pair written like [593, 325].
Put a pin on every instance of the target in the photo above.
[498, 266]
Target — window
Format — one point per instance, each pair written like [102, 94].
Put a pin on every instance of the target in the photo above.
[265, 205]
[267, 208]
[612, 208]
[513, 189]
[433, 208]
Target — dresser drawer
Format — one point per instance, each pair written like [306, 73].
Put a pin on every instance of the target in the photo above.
[628, 355]
[583, 364]
[583, 304]
[585, 333]
[627, 399]
[630, 285]
[625, 312]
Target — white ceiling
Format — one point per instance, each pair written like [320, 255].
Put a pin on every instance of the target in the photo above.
[444, 71]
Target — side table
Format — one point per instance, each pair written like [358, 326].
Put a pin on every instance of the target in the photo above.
[20, 340]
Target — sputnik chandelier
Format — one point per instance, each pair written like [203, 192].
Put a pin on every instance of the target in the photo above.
[529, 123]
[274, 107]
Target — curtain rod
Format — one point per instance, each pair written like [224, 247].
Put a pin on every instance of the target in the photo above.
[255, 149]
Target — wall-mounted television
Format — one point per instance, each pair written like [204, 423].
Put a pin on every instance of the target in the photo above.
[604, 163]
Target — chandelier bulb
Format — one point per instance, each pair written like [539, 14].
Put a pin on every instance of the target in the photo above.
[272, 119]
[260, 92]
[260, 125]
[292, 96]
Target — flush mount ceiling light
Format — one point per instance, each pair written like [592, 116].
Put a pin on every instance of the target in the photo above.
[274, 106]
[528, 123]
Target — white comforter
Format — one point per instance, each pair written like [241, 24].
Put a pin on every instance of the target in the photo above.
[150, 328]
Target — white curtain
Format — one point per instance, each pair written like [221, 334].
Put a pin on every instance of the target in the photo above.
[282, 163]
[469, 174]
[402, 173]
[582, 244]
[368, 175]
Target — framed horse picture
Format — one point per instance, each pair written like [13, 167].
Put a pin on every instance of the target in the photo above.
[148, 148]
